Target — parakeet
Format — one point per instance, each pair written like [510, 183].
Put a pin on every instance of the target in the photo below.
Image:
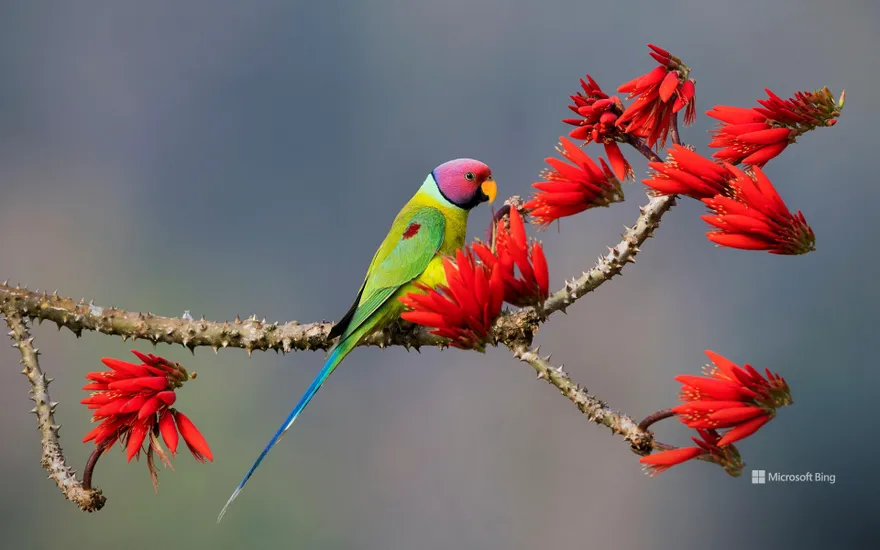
[430, 226]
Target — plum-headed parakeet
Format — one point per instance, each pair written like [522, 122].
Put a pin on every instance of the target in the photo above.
[430, 226]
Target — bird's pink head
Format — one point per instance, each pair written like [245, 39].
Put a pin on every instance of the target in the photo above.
[465, 182]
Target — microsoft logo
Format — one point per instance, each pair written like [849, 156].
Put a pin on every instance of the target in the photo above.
[762, 477]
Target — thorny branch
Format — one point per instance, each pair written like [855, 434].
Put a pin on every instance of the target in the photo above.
[254, 334]
[641, 441]
[612, 263]
[515, 329]
[87, 499]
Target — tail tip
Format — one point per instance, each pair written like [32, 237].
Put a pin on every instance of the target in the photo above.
[228, 503]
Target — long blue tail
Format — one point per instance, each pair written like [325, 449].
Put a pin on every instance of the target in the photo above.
[333, 360]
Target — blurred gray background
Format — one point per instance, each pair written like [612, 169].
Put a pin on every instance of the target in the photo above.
[233, 158]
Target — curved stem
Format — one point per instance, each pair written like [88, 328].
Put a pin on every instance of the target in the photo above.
[656, 417]
[90, 466]
[673, 130]
[642, 148]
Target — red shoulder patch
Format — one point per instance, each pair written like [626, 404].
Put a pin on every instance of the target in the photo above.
[411, 231]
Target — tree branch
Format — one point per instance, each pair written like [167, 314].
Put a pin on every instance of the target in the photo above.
[618, 256]
[253, 334]
[641, 440]
[249, 334]
[89, 500]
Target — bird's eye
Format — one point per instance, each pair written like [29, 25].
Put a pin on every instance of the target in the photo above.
[470, 176]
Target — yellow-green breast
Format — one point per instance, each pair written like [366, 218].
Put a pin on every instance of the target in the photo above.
[455, 232]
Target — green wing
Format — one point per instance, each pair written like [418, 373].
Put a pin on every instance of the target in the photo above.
[412, 242]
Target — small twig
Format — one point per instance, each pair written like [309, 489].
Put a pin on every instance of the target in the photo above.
[656, 417]
[52, 460]
[503, 211]
[642, 148]
[90, 465]
[657, 445]
[641, 441]
[673, 130]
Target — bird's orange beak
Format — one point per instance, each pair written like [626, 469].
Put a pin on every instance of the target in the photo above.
[490, 188]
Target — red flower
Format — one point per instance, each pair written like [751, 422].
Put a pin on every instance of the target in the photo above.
[193, 438]
[746, 136]
[133, 402]
[804, 111]
[598, 123]
[687, 173]
[661, 93]
[464, 309]
[754, 136]
[731, 397]
[756, 218]
[572, 188]
[513, 251]
[708, 448]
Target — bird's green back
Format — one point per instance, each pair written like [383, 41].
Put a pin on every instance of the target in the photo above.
[426, 226]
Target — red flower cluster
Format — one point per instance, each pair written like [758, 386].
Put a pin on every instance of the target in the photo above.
[133, 402]
[804, 111]
[513, 251]
[598, 123]
[746, 136]
[754, 136]
[661, 94]
[687, 173]
[707, 448]
[464, 309]
[568, 189]
[746, 209]
[739, 398]
[756, 218]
